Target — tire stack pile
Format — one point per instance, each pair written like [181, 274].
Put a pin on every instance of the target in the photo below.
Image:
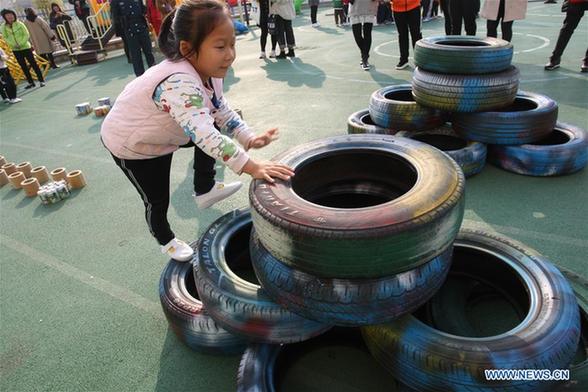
[470, 81]
[365, 235]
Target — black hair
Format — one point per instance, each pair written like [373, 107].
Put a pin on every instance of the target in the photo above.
[191, 21]
[7, 11]
[30, 14]
[55, 5]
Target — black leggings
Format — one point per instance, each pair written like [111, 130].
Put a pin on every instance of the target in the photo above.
[264, 34]
[22, 56]
[363, 39]
[405, 22]
[7, 85]
[446, 16]
[150, 177]
[506, 27]
[313, 11]
[463, 10]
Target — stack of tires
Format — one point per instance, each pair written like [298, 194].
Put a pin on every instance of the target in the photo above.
[470, 82]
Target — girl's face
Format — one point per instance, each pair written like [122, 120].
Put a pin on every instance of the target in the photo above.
[216, 53]
[9, 17]
[55, 8]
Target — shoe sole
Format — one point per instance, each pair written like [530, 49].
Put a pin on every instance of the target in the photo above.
[551, 68]
[402, 67]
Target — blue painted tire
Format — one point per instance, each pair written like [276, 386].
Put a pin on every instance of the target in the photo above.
[463, 54]
[469, 155]
[348, 302]
[531, 117]
[431, 360]
[563, 151]
[394, 107]
[361, 122]
[262, 364]
[187, 316]
[465, 93]
[239, 304]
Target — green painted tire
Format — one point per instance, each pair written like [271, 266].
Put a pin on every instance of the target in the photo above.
[465, 93]
[463, 54]
[360, 206]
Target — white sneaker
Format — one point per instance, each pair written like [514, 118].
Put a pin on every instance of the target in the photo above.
[6, 100]
[178, 250]
[218, 192]
[316, 25]
[262, 55]
[15, 100]
[272, 54]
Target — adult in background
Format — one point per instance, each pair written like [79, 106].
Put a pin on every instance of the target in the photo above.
[58, 17]
[153, 15]
[82, 10]
[41, 36]
[314, 4]
[574, 10]
[407, 15]
[463, 10]
[446, 15]
[16, 34]
[505, 12]
[130, 17]
[284, 11]
[362, 14]
[263, 16]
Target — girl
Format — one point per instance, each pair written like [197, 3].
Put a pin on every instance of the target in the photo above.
[503, 10]
[42, 36]
[179, 103]
[363, 15]
[17, 36]
[407, 16]
[58, 17]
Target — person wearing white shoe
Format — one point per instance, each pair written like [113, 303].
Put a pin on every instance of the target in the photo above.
[179, 103]
[7, 85]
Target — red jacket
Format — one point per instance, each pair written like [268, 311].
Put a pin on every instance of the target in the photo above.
[404, 5]
[154, 16]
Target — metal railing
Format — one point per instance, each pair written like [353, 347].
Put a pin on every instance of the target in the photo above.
[100, 23]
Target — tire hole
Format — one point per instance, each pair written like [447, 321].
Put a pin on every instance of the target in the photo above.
[354, 179]
[442, 142]
[367, 120]
[554, 138]
[520, 104]
[237, 254]
[462, 43]
[190, 284]
[401, 95]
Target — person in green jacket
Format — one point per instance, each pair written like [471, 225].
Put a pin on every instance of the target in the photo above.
[16, 34]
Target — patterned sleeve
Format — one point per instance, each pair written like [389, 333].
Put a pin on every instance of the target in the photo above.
[181, 96]
[231, 124]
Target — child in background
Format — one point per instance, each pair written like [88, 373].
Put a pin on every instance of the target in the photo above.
[7, 85]
[179, 103]
[339, 13]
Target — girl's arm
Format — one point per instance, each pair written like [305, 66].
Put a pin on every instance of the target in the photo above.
[182, 96]
[231, 124]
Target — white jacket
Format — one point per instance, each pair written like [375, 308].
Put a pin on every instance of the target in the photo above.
[513, 9]
[284, 8]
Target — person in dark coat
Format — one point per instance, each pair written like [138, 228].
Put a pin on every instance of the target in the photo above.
[82, 10]
[129, 16]
[574, 10]
[58, 17]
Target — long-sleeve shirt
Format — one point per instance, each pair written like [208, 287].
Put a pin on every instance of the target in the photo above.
[182, 96]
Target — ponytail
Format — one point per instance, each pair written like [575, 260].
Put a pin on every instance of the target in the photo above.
[166, 41]
[190, 21]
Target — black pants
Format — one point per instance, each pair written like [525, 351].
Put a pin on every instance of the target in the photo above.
[425, 5]
[285, 33]
[7, 85]
[363, 39]
[339, 16]
[151, 179]
[463, 10]
[22, 56]
[405, 22]
[49, 57]
[506, 27]
[137, 42]
[264, 34]
[446, 16]
[313, 11]
[573, 16]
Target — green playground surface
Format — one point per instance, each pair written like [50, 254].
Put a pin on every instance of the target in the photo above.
[79, 279]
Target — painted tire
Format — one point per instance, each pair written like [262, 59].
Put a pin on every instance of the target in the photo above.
[187, 317]
[563, 151]
[447, 312]
[394, 107]
[237, 304]
[348, 302]
[427, 359]
[344, 216]
[531, 117]
[469, 155]
[465, 54]
[262, 364]
[465, 93]
[361, 122]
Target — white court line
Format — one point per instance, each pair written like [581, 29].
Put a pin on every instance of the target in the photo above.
[545, 43]
[61, 153]
[117, 292]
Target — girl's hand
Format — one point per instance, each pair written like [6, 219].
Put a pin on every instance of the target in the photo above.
[267, 171]
[264, 139]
